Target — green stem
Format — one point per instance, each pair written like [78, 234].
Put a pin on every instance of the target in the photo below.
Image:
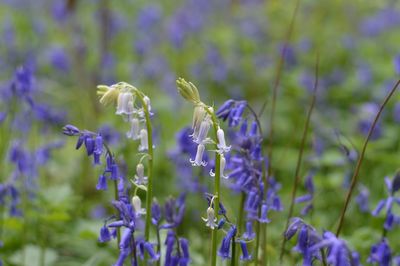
[216, 209]
[217, 195]
[258, 235]
[240, 222]
[116, 198]
[149, 194]
[158, 245]
[354, 179]
[233, 260]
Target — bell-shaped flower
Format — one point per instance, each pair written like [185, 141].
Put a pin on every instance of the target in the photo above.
[134, 132]
[144, 144]
[245, 253]
[140, 179]
[198, 161]
[125, 104]
[249, 234]
[203, 132]
[222, 164]
[210, 220]
[198, 116]
[381, 253]
[137, 206]
[102, 183]
[222, 147]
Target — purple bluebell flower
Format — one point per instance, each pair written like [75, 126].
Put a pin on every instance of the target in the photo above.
[308, 198]
[245, 253]
[224, 250]
[156, 214]
[392, 187]
[383, 20]
[362, 199]
[154, 256]
[59, 59]
[102, 183]
[104, 234]
[367, 114]
[338, 253]
[185, 259]
[174, 212]
[225, 109]
[249, 234]
[381, 253]
[264, 212]
[307, 239]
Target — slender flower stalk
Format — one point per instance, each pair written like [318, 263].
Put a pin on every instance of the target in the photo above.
[200, 127]
[296, 179]
[125, 94]
[354, 178]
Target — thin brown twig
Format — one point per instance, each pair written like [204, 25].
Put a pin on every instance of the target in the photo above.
[354, 179]
[297, 177]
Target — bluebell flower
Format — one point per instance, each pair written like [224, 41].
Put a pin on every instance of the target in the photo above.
[174, 212]
[338, 253]
[381, 253]
[392, 187]
[185, 258]
[104, 234]
[154, 256]
[23, 83]
[309, 197]
[249, 234]
[362, 199]
[264, 211]
[224, 250]
[245, 253]
[307, 239]
[225, 109]
[59, 59]
[367, 115]
[156, 214]
[102, 183]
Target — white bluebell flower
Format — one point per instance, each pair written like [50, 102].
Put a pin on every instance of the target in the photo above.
[135, 129]
[125, 104]
[137, 206]
[222, 164]
[140, 179]
[210, 220]
[198, 116]
[203, 132]
[222, 147]
[144, 145]
[198, 161]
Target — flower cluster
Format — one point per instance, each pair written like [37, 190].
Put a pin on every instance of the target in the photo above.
[177, 249]
[125, 97]
[95, 147]
[327, 247]
[128, 215]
